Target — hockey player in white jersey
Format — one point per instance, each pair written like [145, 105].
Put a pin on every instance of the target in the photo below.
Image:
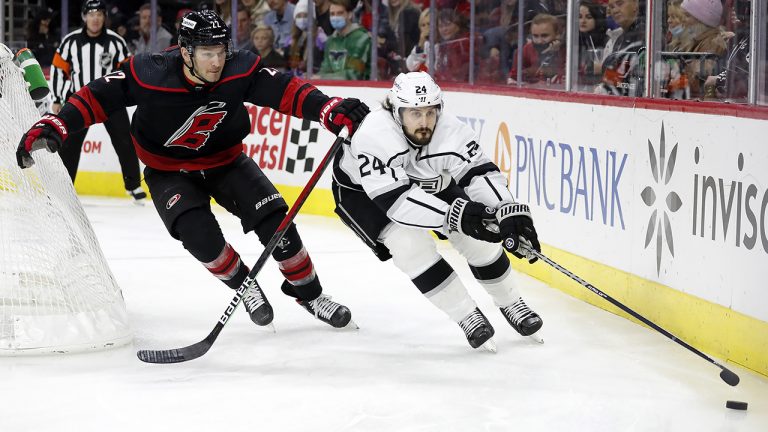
[411, 169]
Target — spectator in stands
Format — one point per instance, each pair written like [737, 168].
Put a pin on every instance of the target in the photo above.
[592, 38]
[323, 16]
[626, 13]
[496, 54]
[506, 13]
[244, 29]
[296, 54]
[348, 50]
[674, 25]
[417, 58]
[390, 62]
[452, 53]
[258, 9]
[623, 73]
[263, 42]
[703, 34]
[404, 22]
[41, 39]
[543, 56]
[280, 18]
[364, 15]
[143, 44]
[224, 9]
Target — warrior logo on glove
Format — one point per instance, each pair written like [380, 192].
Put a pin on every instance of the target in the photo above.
[516, 228]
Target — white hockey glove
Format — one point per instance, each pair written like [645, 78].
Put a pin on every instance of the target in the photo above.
[472, 219]
[516, 228]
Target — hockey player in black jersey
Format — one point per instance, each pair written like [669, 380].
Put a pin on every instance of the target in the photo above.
[188, 128]
[412, 168]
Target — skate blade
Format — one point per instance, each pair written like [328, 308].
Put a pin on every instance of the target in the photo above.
[139, 203]
[268, 328]
[489, 346]
[351, 325]
[536, 338]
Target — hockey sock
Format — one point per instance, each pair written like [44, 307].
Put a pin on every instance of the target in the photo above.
[442, 286]
[228, 267]
[201, 236]
[292, 259]
[497, 279]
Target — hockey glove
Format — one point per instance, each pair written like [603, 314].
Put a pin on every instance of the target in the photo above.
[48, 133]
[516, 228]
[472, 219]
[338, 113]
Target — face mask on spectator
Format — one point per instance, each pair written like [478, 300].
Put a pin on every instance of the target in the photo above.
[677, 30]
[338, 22]
[301, 23]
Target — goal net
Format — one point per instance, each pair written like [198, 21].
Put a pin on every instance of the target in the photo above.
[57, 293]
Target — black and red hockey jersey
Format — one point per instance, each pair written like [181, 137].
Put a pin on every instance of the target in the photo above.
[180, 125]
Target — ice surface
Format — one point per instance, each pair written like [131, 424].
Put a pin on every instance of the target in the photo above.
[407, 369]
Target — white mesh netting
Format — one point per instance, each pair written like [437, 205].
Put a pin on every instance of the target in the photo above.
[57, 293]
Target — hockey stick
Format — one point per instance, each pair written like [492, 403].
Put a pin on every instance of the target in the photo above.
[196, 350]
[726, 374]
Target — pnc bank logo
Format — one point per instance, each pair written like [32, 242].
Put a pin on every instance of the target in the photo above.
[659, 230]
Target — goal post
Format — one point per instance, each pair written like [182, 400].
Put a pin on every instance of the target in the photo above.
[57, 293]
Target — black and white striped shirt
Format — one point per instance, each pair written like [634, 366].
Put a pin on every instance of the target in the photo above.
[81, 59]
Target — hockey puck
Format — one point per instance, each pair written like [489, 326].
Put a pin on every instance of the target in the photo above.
[736, 405]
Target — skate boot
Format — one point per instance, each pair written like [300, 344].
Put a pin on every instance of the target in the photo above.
[478, 330]
[522, 318]
[327, 311]
[257, 306]
[138, 195]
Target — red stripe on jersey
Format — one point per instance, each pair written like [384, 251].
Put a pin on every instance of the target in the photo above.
[242, 75]
[286, 103]
[98, 112]
[303, 95]
[151, 87]
[166, 163]
[87, 119]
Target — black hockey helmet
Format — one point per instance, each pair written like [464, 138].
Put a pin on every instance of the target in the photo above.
[204, 28]
[94, 5]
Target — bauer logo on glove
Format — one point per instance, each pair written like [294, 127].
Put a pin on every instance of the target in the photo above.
[48, 133]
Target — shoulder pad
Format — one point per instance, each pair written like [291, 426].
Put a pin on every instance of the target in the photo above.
[242, 62]
[159, 70]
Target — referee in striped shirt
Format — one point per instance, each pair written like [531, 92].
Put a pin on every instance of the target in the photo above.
[83, 56]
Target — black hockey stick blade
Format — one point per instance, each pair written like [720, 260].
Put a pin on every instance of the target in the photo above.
[726, 374]
[198, 349]
[729, 377]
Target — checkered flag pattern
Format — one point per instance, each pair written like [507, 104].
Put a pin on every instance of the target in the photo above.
[301, 138]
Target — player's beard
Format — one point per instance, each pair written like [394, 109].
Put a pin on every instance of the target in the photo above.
[421, 136]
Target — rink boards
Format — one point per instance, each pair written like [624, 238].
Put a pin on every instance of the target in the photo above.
[663, 207]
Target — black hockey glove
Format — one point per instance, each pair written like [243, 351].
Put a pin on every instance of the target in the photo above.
[48, 133]
[516, 228]
[338, 113]
[472, 219]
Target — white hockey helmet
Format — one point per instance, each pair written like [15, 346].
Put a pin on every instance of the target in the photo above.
[412, 90]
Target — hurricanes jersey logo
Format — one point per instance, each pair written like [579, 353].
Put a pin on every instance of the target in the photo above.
[198, 127]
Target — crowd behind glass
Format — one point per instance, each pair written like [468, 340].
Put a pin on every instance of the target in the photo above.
[693, 50]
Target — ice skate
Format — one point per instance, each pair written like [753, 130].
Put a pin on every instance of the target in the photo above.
[138, 195]
[258, 307]
[329, 312]
[478, 330]
[523, 319]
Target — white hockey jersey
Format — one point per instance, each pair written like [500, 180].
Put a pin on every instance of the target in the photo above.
[402, 179]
